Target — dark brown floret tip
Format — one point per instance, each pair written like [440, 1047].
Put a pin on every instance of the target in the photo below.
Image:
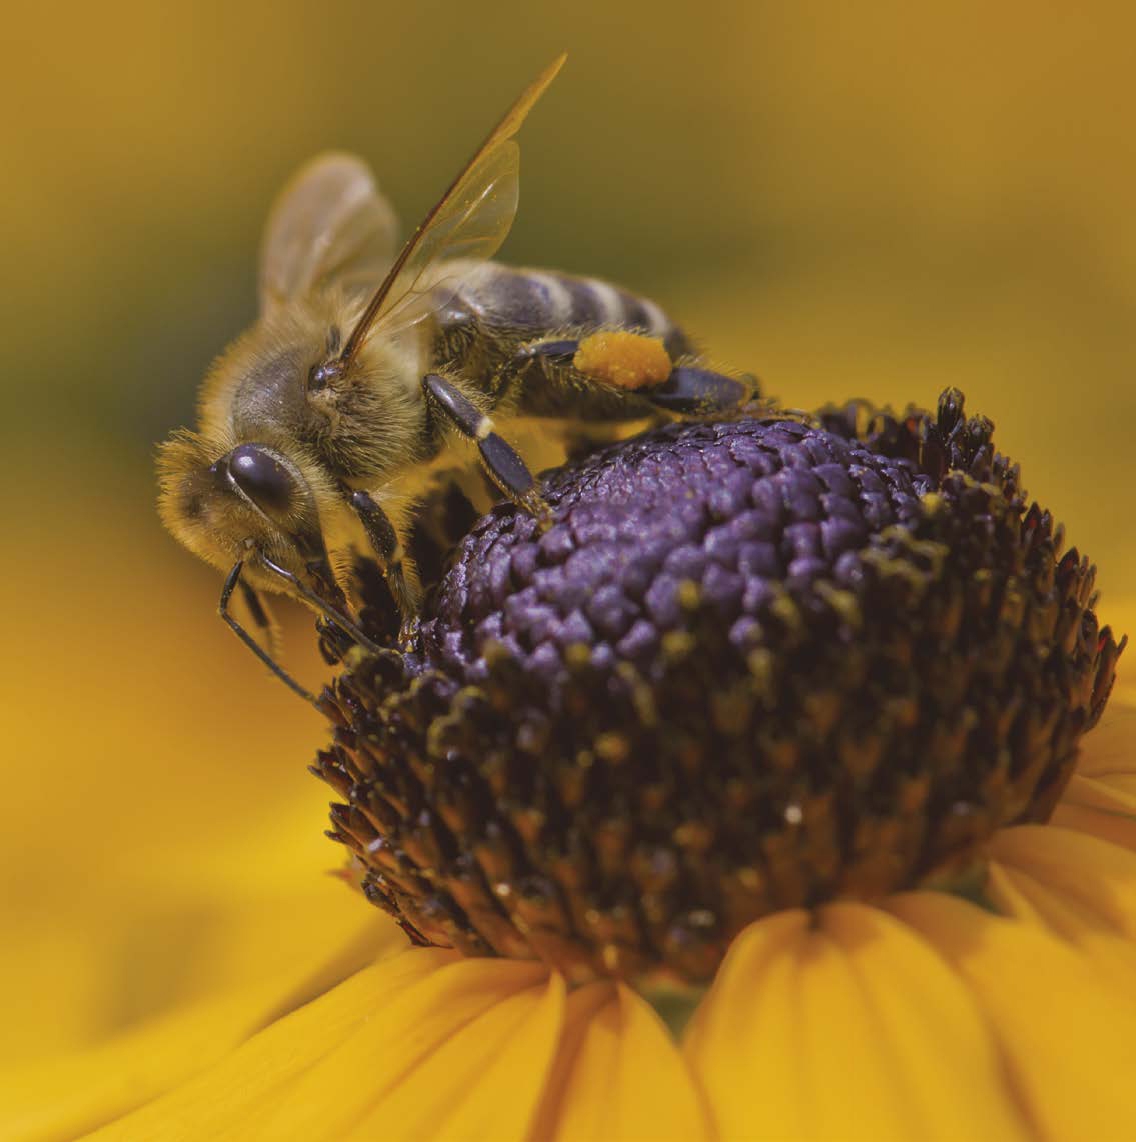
[751, 665]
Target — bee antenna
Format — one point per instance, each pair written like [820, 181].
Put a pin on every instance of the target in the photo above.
[260, 616]
[332, 612]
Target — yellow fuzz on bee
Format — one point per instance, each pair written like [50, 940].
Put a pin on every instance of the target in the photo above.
[626, 360]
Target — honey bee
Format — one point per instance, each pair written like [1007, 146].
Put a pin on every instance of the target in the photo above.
[326, 422]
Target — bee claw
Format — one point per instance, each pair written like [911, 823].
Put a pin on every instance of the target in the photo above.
[407, 634]
[533, 503]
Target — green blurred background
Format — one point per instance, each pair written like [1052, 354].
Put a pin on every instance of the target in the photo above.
[876, 199]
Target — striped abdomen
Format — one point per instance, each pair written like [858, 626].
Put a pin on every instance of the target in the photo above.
[543, 303]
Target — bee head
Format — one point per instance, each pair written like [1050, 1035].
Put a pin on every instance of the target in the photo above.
[253, 502]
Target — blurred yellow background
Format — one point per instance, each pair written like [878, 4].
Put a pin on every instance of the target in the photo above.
[876, 199]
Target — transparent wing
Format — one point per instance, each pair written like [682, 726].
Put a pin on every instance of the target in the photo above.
[475, 224]
[329, 224]
[469, 222]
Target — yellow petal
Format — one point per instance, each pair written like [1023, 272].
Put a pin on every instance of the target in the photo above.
[1018, 895]
[403, 1029]
[1099, 876]
[618, 1074]
[1115, 790]
[853, 1029]
[929, 1031]
[1125, 690]
[426, 1044]
[742, 1044]
[1101, 796]
[221, 1101]
[1066, 1036]
[1101, 806]
[1110, 747]
[484, 1081]
[160, 920]
[64, 1097]
[1078, 887]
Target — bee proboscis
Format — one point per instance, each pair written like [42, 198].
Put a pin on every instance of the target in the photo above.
[326, 422]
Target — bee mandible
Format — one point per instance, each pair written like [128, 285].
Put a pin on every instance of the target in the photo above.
[367, 368]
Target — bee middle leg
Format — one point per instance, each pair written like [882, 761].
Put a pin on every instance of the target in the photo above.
[502, 461]
[397, 570]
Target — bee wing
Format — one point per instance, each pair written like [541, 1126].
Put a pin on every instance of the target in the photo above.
[329, 224]
[471, 229]
[469, 222]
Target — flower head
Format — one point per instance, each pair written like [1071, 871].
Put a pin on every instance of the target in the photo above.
[750, 666]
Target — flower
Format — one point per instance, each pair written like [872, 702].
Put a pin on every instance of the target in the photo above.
[939, 933]
[751, 665]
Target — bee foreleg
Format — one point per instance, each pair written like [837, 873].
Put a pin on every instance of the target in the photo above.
[384, 539]
[262, 616]
[331, 610]
[231, 581]
[502, 461]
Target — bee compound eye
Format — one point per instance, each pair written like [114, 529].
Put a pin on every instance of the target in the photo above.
[262, 478]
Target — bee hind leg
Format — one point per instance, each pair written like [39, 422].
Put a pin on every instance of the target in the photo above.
[691, 391]
[639, 364]
[502, 461]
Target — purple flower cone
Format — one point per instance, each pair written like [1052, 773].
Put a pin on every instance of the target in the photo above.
[750, 665]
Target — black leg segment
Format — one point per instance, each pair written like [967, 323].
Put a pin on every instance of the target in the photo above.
[458, 409]
[256, 606]
[509, 472]
[558, 352]
[507, 468]
[384, 539]
[334, 613]
[699, 392]
[261, 618]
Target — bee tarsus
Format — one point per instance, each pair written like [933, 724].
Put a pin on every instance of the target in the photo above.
[699, 391]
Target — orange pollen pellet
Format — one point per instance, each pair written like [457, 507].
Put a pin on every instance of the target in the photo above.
[626, 360]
